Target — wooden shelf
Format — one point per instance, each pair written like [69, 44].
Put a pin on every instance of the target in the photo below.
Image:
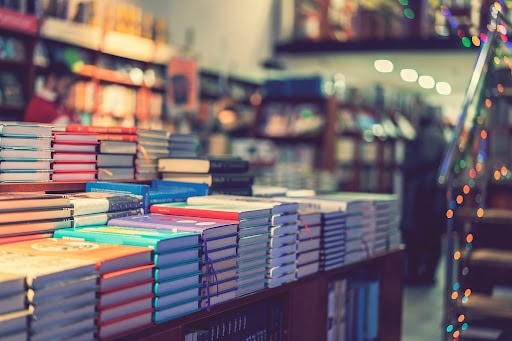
[389, 313]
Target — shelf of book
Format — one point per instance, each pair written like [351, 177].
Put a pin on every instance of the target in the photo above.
[300, 299]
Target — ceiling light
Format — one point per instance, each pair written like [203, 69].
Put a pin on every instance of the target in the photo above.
[409, 75]
[426, 82]
[383, 65]
[443, 88]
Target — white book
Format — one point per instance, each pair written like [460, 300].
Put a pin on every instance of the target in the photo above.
[307, 269]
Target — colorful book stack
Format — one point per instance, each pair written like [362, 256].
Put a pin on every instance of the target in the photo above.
[54, 283]
[13, 307]
[121, 294]
[175, 256]
[223, 174]
[253, 221]
[26, 216]
[308, 249]
[117, 149]
[74, 156]
[25, 151]
[218, 253]
[152, 144]
[283, 230]
[97, 208]
[183, 145]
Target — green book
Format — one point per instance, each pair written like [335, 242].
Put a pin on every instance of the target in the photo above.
[161, 241]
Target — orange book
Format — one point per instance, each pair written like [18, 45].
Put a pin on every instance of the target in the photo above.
[107, 257]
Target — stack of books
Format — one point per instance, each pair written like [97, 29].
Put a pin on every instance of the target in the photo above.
[218, 251]
[253, 221]
[116, 151]
[13, 308]
[25, 151]
[183, 145]
[152, 144]
[121, 292]
[54, 284]
[223, 174]
[97, 208]
[283, 231]
[141, 190]
[74, 156]
[26, 216]
[308, 250]
[175, 257]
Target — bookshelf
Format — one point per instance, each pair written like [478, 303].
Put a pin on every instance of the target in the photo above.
[299, 299]
[107, 62]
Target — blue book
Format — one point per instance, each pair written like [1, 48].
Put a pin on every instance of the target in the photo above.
[161, 241]
[121, 187]
[175, 191]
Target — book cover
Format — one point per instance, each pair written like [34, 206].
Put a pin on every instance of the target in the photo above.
[74, 167]
[209, 228]
[60, 176]
[235, 211]
[118, 147]
[20, 201]
[276, 207]
[75, 147]
[213, 180]
[119, 187]
[74, 157]
[70, 138]
[100, 202]
[115, 160]
[100, 129]
[17, 216]
[25, 142]
[161, 241]
[116, 173]
[43, 270]
[209, 164]
[17, 153]
[31, 227]
[116, 279]
[107, 257]
[25, 129]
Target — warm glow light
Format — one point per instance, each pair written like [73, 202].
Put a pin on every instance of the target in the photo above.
[449, 214]
[500, 88]
[456, 255]
[426, 82]
[443, 88]
[472, 173]
[409, 75]
[456, 334]
[478, 167]
[475, 40]
[488, 103]
[461, 318]
[504, 170]
[467, 292]
[455, 295]
[469, 238]
[483, 134]
[480, 212]
[497, 175]
[465, 189]
[383, 65]
[459, 199]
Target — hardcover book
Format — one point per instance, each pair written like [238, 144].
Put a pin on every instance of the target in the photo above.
[210, 164]
[32, 227]
[107, 257]
[213, 180]
[101, 129]
[235, 211]
[25, 129]
[100, 202]
[17, 153]
[161, 241]
[277, 207]
[17, 216]
[21, 201]
[25, 142]
[103, 218]
[119, 187]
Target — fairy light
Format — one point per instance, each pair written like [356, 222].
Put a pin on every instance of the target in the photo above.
[449, 214]
[460, 199]
[461, 318]
[456, 255]
[469, 238]
[480, 212]
[467, 293]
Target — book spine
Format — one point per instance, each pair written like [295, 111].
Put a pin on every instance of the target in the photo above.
[119, 187]
[228, 166]
[100, 129]
[123, 203]
[221, 181]
[118, 137]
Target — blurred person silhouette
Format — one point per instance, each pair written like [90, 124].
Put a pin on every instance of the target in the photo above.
[49, 104]
[424, 201]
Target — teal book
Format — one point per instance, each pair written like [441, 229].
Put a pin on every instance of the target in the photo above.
[161, 241]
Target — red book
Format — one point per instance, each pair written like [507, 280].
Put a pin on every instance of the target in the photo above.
[231, 211]
[100, 129]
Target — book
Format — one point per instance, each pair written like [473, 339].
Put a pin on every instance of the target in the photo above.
[25, 129]
[74, 175]
[30, 227]
[42, 270]
[103, 218]
[119, 187]
[125, 324]
[213, 180]
[235, 211]
[25, 142]
[117, 147]
[75, 147]
[210, 229]
[161, 241]
[25, 175]
[25, 164]
[17, 153]
[115, 279]
[100, 202]
[107, 257]
[13, 326]
[115, 160]
[100, 129]
[20, 201]
[74, 167]
[74, 157]
[17, 216]
[11, 284]
[76, 137]
[209, 164]
[116, 173]
[277, 207]
[128, 307]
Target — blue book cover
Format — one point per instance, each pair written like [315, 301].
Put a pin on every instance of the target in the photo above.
[161, 241]
[175, 191]
[121, 187]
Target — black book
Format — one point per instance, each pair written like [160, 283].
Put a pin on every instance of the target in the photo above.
[208, 165]
[214, 180]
